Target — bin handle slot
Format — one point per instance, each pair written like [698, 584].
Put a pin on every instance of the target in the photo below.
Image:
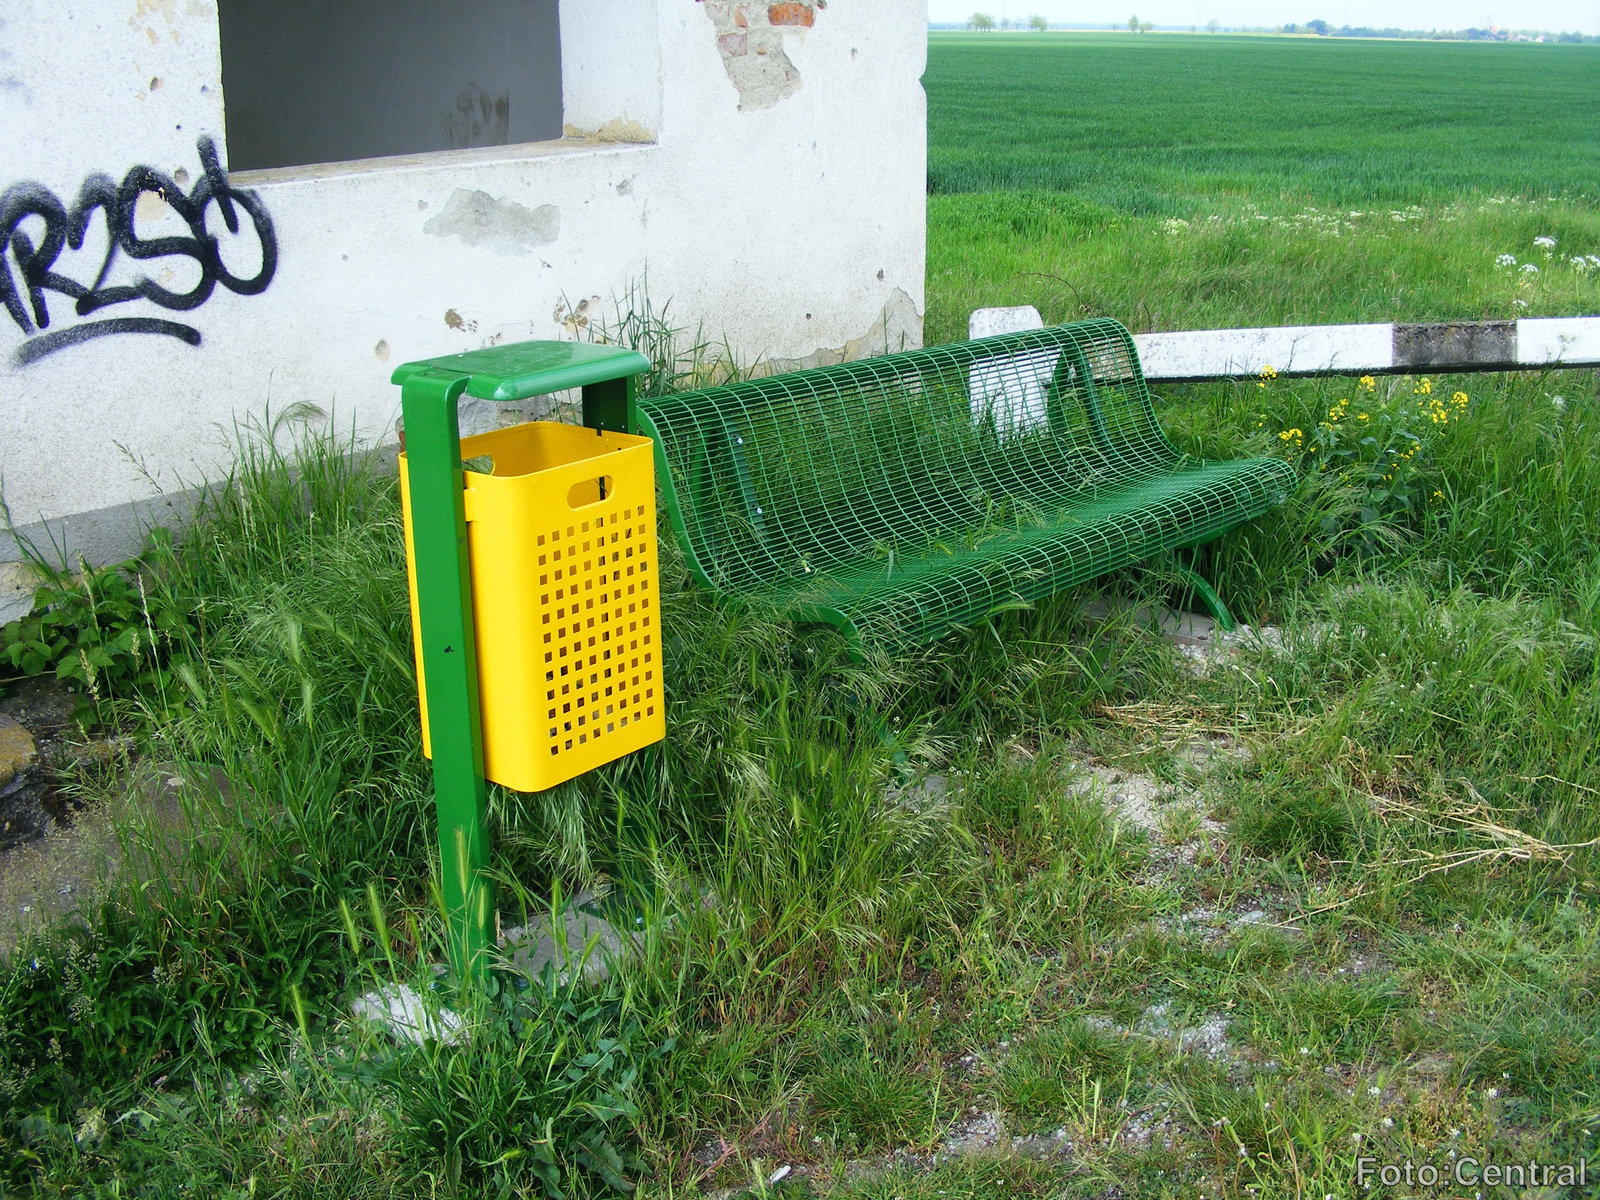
[589, 491]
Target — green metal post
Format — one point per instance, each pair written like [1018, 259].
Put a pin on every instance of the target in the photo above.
[449, 659]
[429, 390]
[608, 405]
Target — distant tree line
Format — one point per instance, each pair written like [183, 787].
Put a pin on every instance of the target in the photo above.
[1323, 29]
[986, 23]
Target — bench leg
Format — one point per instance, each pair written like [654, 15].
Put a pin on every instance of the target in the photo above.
[881, 732]
[1208, 594]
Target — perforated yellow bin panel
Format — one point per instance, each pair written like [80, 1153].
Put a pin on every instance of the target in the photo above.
[562, 541]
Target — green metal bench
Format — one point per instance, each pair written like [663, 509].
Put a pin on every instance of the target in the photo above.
[901, 497]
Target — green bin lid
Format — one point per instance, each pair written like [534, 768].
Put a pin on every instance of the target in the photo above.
[525, 369]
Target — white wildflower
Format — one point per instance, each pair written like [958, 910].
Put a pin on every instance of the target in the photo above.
[1529, 269]
[1545, 243]
[1520, 303]
[1506, 260]
[1374, 1091]
[1388, 1122]
[1580, 264]
[1493, 1093]
[1594, 260]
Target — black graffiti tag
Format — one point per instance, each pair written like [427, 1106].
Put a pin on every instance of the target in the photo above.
[63, 227]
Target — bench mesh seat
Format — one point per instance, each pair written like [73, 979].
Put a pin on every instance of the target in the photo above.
[903, 496]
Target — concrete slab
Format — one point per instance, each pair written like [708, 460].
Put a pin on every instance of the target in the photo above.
[988, 322]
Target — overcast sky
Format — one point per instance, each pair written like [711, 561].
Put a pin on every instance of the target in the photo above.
[1407, 14]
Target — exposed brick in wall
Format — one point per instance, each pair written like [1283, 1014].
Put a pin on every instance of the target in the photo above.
[790, 14]
[750, 39]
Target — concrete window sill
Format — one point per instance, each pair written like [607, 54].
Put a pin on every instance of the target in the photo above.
[437, 160]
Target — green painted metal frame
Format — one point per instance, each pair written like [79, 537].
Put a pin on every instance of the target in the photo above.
[429, 390]
[900, 497]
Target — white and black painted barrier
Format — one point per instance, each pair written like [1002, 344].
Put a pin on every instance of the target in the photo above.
[1444, 347]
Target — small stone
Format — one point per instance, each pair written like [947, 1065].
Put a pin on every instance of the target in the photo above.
[582, 938]
[17, 750]
[407, 1017]
[18, 582]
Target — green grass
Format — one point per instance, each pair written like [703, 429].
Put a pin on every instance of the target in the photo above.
[856, 973]
[1172, 125]
[1265, 265]
[872, 974]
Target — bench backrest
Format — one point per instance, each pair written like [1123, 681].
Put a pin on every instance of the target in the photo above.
[795, 473]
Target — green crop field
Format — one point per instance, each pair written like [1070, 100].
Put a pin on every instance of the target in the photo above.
[1162, 125]
[1184, 182]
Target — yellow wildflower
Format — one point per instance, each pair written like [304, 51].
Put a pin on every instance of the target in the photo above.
[1424, 387]
[1268, 374]
[1368, 382]
[1460, 400]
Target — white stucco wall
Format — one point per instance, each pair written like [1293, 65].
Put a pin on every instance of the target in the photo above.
[778, 201]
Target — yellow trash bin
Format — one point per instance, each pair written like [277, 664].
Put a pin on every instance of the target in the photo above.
[561, 535]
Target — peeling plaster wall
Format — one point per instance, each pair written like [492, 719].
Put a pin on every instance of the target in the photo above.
[794, 228]
[611, 58]
[751, 40]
